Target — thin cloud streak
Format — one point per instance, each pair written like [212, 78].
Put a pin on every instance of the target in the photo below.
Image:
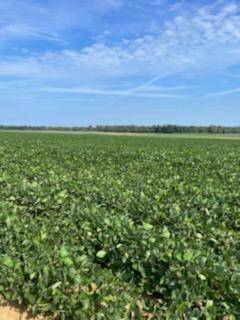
[222, 93]
[105, 92]
[134, 90]
[24, 31]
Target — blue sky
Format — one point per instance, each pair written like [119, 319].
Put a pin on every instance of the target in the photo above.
[81, 62]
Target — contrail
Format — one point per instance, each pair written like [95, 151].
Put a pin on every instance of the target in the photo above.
[222, 93]
[135, 89]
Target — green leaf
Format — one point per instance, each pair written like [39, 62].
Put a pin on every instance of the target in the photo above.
[209, 304]
[68, 261]
[202, 276]
[101, 254]
[8, 262]
[166, 233]
[147, 226]
[188, 255]
[63, 252]
[32, 275]
[56, 285]
[220, 270]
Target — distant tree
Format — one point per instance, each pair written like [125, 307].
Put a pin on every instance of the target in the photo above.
[168, 128]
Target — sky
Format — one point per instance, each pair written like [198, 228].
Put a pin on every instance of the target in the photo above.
[82, 62]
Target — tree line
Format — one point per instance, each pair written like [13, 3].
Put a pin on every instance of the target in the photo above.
[168, 128]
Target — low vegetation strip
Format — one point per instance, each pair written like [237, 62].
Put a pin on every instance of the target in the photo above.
[217, 136]
[111, 227]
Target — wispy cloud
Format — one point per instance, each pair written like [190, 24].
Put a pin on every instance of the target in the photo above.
[193, 39]
[106, 92]
[205, 39]
[222, 93]
[47, 19]
[156, 88]
[21, 30]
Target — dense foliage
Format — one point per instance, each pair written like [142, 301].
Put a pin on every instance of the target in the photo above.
[168, 128]
[102, 227]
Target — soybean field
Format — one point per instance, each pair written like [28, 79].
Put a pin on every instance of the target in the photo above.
[118, 227]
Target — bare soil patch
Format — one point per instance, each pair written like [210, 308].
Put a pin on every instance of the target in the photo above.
[16, 313]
